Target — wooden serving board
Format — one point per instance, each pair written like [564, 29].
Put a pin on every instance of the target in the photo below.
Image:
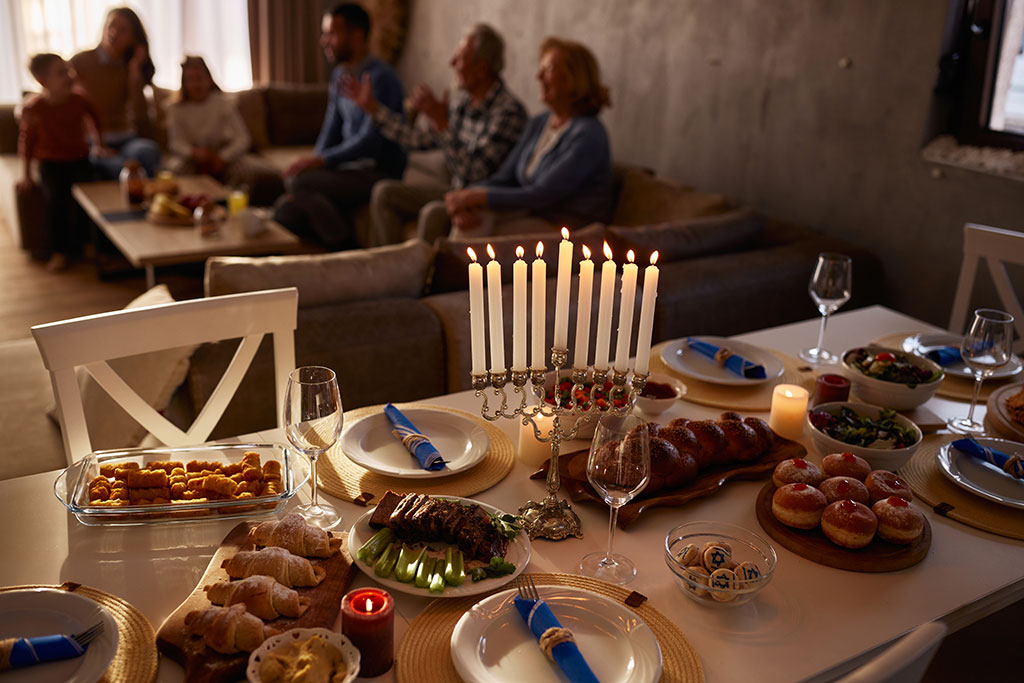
[160, 219]
[998, 417]
[203, 665]
[812, 544]
[572, 467]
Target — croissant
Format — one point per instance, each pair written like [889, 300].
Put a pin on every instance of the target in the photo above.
[287, 568]
[293, 534]
[228, 629]
[262, 595]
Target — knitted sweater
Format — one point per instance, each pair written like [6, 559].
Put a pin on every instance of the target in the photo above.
[120, 103]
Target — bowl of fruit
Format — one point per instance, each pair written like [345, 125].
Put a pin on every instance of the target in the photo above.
[566, 394]
[890, 377]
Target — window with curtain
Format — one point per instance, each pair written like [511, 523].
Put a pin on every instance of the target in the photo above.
[217, 31]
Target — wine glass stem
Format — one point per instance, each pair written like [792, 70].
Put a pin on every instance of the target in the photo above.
[821, 332]
[974, 397]
[315, 498]
[612, 519]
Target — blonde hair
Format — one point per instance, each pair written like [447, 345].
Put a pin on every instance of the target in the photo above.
[589, 95]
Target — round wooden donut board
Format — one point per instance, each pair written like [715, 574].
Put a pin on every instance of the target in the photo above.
[998, 416]
[813, 545]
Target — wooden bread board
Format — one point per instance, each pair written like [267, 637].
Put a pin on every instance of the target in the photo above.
[812, 544]
[203, 665]
[998, 417]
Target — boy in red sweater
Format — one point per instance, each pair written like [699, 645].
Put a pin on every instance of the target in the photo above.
[54, 130]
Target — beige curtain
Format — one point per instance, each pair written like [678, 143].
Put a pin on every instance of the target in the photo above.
[284, 38]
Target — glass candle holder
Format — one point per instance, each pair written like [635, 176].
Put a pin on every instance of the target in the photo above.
[831, 388]
[368, 620]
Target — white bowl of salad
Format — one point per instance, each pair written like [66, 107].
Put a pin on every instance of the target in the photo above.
[881, 436]
[892, 378]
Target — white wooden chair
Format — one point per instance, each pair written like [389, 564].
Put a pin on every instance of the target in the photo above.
[93, 340]
[903, 662]
[996, 246]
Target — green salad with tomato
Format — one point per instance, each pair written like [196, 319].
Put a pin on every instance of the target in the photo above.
[890, 367]
[583, 395]
[855, 429]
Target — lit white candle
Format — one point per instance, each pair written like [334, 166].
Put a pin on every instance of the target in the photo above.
[583, 306]
[540, 274]
[476, 313]
[789, 409]
[496, 320]
[604, 311]
[629, 273]
[562, 291]
[643, 334]
[519, 312]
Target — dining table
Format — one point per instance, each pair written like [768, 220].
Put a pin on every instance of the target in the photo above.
[812, 622]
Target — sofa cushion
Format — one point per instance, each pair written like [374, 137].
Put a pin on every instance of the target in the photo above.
[396, 270]
[646, 199]
[252, 106]
[683, 239]
[295, 113]
[451, 262]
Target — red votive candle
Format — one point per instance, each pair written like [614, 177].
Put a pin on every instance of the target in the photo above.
[829, 388]
[368, 620]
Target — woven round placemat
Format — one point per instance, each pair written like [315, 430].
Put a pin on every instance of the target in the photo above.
[753, 398]
[424, 655]
[344, 479]
[959, 388]
[136, 659]
[946, 498]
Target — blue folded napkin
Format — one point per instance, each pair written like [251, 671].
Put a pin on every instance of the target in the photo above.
[29, 651]
[567, 656]
[419, 445]
[946, 355]
[1011, 464]
[737, 364]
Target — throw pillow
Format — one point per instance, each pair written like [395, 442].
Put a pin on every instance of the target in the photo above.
[393, 271]
[253, 109]
[683, 239]
[295, 113]
[647, 199]
[154, 377]
[451, 262]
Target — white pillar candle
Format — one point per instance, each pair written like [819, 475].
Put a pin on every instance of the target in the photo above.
[519, 312]
[789, 409]
[629, 273]
[531, 451]
[562, 291]
[540, 274]
[643, 334]
[476, 313]
[583, 306]
[604, 311]
[496, 320]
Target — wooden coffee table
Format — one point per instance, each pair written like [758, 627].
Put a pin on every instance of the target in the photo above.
[147, 245]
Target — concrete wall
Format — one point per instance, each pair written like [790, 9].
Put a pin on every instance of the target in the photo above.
[748, 98]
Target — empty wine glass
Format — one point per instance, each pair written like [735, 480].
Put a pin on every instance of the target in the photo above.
[313, 419]
[618, 468]
[830, 287]
[985, 348]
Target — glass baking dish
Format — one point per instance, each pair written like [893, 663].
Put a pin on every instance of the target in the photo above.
[72, 485]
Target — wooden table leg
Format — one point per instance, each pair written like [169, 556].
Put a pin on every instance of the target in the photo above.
[150, 276]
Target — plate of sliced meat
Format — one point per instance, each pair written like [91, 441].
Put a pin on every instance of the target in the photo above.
[438, 546]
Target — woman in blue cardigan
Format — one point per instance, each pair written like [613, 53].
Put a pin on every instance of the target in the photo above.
[559, 173]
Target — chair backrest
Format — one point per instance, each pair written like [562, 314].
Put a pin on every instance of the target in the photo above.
[996, 246]
[92, 341]
[903, 662]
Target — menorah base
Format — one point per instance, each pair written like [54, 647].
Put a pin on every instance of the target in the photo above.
[551, 518]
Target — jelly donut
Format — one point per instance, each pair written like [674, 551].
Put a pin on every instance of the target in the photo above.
[797, 471]
[844, 488]
[845, 465]
[898, 520]
[882, 484]
[798, 505]
[849, 524]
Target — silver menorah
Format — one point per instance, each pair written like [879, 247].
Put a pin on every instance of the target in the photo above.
[553, 518]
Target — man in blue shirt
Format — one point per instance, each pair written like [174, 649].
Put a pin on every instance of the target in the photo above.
[350, 154]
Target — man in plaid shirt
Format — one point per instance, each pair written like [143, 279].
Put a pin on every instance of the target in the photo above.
[476, 131]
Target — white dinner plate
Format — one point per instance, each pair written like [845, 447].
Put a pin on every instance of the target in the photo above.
[46, 611]
[687, 362]
[921, 344]
[518, 553]
[492, 643]
[981, 477]
[461, 441]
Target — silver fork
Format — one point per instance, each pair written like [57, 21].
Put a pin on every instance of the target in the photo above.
[527, 588]
[88, 635]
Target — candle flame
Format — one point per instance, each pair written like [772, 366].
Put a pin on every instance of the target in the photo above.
[540, 249]
[654, 258]
[369, 605]
[565, 233]
[607, 251]
[490, 251]
[788, 393]
[472, 254]
[519, 252]
[586, 252]
[630, 256]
